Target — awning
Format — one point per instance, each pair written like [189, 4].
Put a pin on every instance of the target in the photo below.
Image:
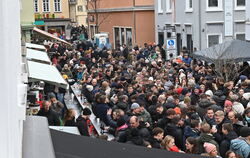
[38, 56]
[51, 36]
[46, 73]
[73, 146]
[35, 46]
[39, 23]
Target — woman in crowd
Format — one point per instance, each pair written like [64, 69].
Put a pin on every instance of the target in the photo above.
[211, 150]
[191, 145]
[168, 143]
[69, 119]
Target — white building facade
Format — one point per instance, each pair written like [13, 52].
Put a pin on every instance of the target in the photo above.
[199, 23]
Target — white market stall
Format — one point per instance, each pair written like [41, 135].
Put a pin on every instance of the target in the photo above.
[39, 56]
[35, 46]
[47, 73]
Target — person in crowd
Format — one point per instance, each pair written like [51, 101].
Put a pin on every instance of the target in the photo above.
[156, 138]
[191, 145]
[205, 136]
[220, 119]
[69, 119]
[236, 120]
[57, 106]
[231, 154]
[168, 143]
[228, 135]
[49, 113]
[247, 116]
[211, 150]
[82, 122]
[209, 117]
[241, 145]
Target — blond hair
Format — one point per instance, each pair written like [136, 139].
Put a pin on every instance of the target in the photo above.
[166, 141]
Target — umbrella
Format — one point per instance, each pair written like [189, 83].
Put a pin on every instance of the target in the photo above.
[229, 50]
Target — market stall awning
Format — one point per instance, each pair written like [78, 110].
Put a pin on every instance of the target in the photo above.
[35, 46]
[46, 73]
[38, 56]
[50, 36]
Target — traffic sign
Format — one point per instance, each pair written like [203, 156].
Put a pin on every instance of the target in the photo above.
[171, 44]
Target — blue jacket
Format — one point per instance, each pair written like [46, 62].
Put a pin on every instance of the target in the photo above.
[240, 147]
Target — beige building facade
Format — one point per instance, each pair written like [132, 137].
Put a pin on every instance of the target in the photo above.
[53, 16]
[128, 22]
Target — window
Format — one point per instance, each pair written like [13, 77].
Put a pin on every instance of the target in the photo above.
[36, 6]
[123, 35]
[240, 4]
[189, 5]
[160, 10]
[57, 5]
[80, 8]
[240, 37]
[213, 40]
[168, 6]
[214, 5]
[45, 5]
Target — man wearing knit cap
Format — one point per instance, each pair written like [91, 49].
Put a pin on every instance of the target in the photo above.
[81, 122]
[241, 145]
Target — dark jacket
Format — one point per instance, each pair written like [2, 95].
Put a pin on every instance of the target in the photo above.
[194, 98]
[225, 143]
[176, 132]
[82, 126]
[191, 132]
[71, 122]
[202, 108]
[155, 143]
[205, 138]
[219, 135]
[52, 116]
[100, 111]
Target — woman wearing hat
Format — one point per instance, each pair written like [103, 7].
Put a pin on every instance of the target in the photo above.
[211, 150]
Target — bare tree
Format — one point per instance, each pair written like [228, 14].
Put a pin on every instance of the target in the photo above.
[93, 7]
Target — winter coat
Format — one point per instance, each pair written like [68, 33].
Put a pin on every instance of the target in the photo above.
[52, 116]
[71, 122]
[219, 135]
[176, 132]
[82, 126]
[194, 98]
[240, 146]
[210, 121]
[155, 143]
[225, 143]
[190, 132]
[205, 138]
[145, 117]
[202, 108]
[100, 111]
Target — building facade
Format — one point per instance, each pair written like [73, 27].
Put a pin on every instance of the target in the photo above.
[27, 19]
[199, 23]
[53, 16]
[78, 12]
[128, 22]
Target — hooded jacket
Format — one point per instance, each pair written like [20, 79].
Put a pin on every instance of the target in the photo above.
[240, 146]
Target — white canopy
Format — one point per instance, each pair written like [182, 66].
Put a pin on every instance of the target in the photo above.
[47, 73]
[36, 55]
[35, 46]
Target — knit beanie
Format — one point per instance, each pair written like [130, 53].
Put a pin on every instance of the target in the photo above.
[209, 147]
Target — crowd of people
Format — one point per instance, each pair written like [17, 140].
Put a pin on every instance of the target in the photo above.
[178, 104]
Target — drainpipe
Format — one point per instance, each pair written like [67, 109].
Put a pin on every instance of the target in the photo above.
[200, 29]
[134, 22]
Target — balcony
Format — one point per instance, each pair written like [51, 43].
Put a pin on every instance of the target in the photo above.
[72, 2]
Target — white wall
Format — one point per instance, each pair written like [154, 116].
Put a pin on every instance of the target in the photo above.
[247, 20]
[12, 90]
